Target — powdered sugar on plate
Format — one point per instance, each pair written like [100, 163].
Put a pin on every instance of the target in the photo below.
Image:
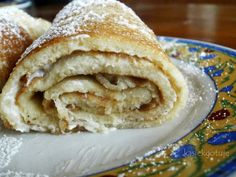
[19, 174]
[9, 146]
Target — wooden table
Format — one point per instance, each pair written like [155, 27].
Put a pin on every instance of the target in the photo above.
[208, 22]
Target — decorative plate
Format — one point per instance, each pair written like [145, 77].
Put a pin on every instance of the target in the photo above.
[200, 141]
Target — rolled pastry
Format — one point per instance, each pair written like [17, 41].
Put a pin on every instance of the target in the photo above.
[17, 31]
[97, 67]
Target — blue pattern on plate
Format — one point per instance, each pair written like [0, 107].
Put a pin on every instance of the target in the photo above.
[219, 48]
[227, 88]
[207, 56]
[217, 73]
[193, 49]
[184, 151]
[209, 69]
[222, 138]
[225, 169]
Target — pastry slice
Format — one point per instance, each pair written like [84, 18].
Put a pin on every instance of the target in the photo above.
[97, 67]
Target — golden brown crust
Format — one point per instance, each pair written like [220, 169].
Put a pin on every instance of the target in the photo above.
[14, 41]
[109, 24]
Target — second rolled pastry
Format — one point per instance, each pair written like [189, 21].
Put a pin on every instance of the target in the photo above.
[99, 66]
[17, 31]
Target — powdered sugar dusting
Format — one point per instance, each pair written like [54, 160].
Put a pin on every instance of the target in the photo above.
[9, 146]
[189, 71]
[78, 17]
[19, 174]
[7, 27]
[11, 35]
[14, 40]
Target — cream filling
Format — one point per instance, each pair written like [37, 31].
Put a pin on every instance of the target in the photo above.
[86, 94]
[38, 73]
[58, 85]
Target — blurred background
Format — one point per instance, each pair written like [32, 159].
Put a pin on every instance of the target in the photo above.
[207, 20]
